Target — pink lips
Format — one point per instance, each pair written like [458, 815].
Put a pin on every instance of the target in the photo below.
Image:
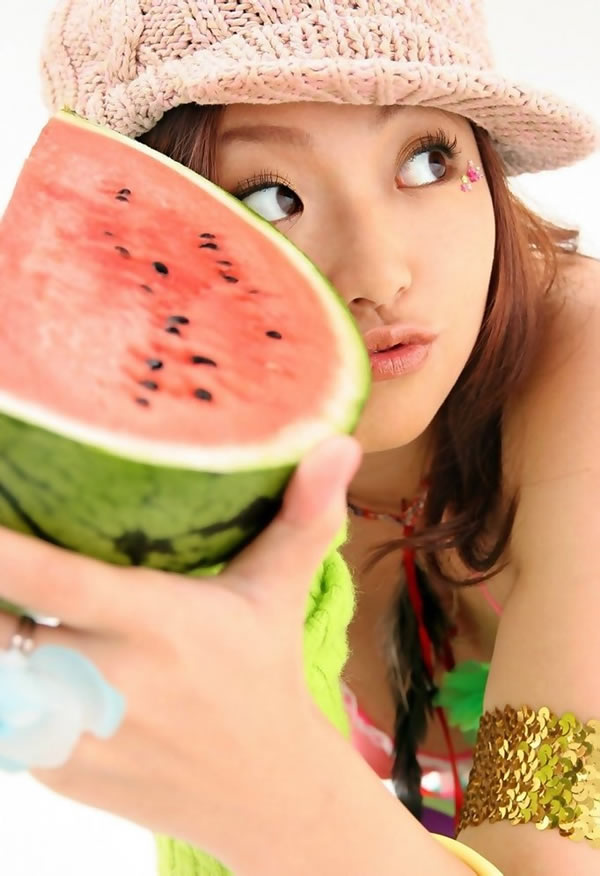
[397, 349]
[385, 337]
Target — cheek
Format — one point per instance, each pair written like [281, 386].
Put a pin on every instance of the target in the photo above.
[465, 257]
[398, 412]
[451, 262]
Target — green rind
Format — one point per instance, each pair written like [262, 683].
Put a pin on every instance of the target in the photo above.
[94, 503]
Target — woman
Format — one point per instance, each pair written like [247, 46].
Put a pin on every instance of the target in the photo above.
[377, 138]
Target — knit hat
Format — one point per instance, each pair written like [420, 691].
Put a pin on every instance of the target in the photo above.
[124, 63]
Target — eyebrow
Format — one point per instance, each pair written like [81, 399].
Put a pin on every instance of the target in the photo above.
[293, 136]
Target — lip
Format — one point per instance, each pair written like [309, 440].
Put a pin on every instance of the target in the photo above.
[398, 361]
[379, 339]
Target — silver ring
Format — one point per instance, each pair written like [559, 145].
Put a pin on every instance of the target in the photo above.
[22, 639]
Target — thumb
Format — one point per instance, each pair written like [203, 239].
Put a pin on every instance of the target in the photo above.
[319, 486]
[281, 562]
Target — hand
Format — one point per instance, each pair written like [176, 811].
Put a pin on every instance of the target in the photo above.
[212, 670]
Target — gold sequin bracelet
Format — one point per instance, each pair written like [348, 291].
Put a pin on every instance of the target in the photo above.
[536, 767]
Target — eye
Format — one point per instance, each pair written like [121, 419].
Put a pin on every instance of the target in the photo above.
[273, 202]
[424, 168]
[430, 160]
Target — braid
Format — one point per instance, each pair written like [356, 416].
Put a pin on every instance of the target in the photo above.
[412, 688]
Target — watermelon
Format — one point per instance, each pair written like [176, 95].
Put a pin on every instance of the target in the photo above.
[169, 357]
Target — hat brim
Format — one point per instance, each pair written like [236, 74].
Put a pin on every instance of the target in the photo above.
[533, 130]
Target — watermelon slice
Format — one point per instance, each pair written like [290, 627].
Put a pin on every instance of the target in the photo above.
[168, 356]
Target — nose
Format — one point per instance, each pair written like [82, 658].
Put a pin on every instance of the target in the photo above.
[368, 263]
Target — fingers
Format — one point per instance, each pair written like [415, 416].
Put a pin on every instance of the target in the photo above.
[317, 493]
[42, 635]
[83, 593]
[281, 561]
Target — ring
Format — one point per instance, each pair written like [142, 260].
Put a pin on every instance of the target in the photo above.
[22, 639]
[48, 699]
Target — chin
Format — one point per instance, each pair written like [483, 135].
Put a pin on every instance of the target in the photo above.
[388, 423]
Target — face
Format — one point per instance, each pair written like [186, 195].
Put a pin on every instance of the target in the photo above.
[373, 197]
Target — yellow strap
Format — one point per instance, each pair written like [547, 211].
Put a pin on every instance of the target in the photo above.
[478, 864]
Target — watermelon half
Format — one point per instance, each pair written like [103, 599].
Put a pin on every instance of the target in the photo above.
[168, 357]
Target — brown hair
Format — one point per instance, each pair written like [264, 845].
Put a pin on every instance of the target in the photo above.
[466, 473]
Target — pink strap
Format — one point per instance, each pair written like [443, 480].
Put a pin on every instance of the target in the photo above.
[494, 605]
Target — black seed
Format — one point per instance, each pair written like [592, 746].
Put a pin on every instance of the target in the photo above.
[182, 320]
[208, 246]
[149, 384]
[229, 278]
[109, 233]
[203, 360]
[122, 198]
[123, 251]
[125, 192]
[207, 235]
[154, 364]
[253, 291]
[203, 394]
[158, 266]
[143, 402]
[172, 330]
[146, 287]
[273, 335]
[225, 263]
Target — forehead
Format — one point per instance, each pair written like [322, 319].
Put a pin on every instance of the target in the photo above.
[315, 114]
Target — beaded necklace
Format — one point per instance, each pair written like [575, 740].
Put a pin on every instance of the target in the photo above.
[409, 513]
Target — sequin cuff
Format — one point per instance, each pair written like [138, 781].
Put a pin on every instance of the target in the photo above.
[536, 767]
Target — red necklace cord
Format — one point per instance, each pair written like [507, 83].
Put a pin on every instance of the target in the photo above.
[409, 512]
[428, 654]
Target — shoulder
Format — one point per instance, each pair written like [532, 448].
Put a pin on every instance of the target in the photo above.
[577, 285]
[558, 408]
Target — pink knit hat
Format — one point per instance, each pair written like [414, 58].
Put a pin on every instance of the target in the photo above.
[124, 63]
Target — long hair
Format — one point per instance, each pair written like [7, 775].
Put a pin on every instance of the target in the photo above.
[466, 471]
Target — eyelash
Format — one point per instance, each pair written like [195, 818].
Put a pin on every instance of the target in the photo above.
[435, 142]
[438, 141]
[262, 180]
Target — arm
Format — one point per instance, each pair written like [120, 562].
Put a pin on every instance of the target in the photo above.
[546, 652]
[338, 819]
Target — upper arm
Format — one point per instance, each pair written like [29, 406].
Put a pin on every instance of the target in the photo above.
[546, 650]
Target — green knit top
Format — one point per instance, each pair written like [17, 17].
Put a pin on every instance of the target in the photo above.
[329, 611]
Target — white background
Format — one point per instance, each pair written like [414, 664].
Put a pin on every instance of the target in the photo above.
[551, 43]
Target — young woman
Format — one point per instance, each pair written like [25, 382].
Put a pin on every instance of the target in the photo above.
[378, 138]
